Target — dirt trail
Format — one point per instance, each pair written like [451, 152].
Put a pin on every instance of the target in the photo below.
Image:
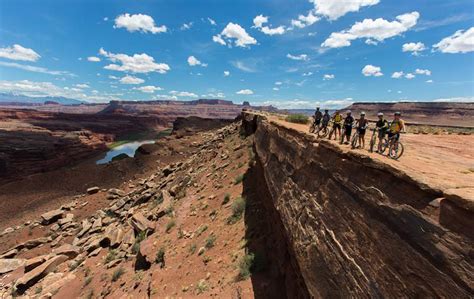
[441, 161]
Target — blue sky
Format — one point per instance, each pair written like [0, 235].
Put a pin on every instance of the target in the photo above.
[294, 54]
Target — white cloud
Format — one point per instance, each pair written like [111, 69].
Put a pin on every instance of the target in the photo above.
[218, 95]
[307, 74]
[370, 70]
[328, 77]
[310, 104]
[423, 72]
[186, 26]
[258, 22]
[131, 80]
[17, 52]
[193, 61]
[148, 88]
[415, 48]
[276, 88]
[245, 92]
[213, 23]
[226, 73]
[297, 57]
[237, 33]
[397, 75]
[456, 99]
[184, 94]
[304, 21]
[278, 83]
[138, 63]
[374, 30]
[460, 42]
[409, 76]
[93, 59]
[246, 67]
[82, 86]
[138, 22]
[165, 97]
[429, 81]
[35, 69]
[334, 9]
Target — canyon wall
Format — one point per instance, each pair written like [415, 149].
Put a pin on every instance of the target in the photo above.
[355, 227]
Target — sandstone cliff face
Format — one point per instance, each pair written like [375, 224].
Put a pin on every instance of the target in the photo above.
[357, 228]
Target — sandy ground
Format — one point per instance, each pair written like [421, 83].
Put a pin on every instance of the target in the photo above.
[445, 162]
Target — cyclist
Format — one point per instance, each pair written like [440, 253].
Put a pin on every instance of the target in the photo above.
[362, 124]
[337, 122]
[326, 118]
[396, 126]
[381, 126]
[348, 123]
[317, 117]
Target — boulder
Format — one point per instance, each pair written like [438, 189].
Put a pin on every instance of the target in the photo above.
[35, 262]
[8, 265]
[140, 223]
[51, 216]
[93, 190]
[54, 281]
[34, 243]
[69, 218]
[9, 254]
[86, 226]
[145, 255]
[114, 235]
[32, 277]
[68, 250]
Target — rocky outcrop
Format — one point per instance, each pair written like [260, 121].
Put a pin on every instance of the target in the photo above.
[356, 227]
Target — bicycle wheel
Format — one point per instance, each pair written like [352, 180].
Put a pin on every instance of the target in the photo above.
[354, 139]
[331, 132]
[384, 145]
[396, 150]
[372, 143]
[323, 132]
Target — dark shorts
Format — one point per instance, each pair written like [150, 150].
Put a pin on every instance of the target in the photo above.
[317, 121]
[348, 131]
[382, 133]
[396, 136]
[361, 131]
[325, 124]
[337, 126]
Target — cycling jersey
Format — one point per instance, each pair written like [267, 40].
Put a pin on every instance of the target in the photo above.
[362, 124]
[348, 121]
[381, 124]
[326, 118]
[318, 115]
[396, 126]
[338, 118]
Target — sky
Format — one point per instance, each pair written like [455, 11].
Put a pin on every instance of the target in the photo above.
[290, 54]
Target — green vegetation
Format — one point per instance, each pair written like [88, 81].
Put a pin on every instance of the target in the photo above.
[136, 246]
[170, 225]
[160, 257]
[112, 255]
[201, 287]
[226, 199]
[245, 266]
[297, 118]
[238, 208]
[117, 274]
[201, 229]
[239, 179]
[210, 241]
[192, 248]
[88, 280]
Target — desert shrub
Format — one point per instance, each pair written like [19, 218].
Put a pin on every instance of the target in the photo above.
[238, 208]
[245, 266]
[226, 198]
[112, 255]
[297, 118]
[201, 229]
[192, 248]
[117, 274]
[160, 257]
[170, 225]
[201, 286]
[238, 179]
[210, 241]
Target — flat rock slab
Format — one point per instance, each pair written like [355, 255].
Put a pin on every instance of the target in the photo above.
[93, 190]
[51, 216]
[8, 265]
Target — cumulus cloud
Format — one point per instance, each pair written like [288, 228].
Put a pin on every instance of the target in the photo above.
[35, 69]
[237, 33]
[307, 74]
[17, 52]
[193, 61]
[184, 94]
[460, 42]
[429, 81]
[423, 72]
[414, 48]
[139, 22]
[334, 9]
[259, 22]
[409, 76]
[310, 104]
[373, 30]
[218, 95]
[297, 57]
[328, 77]
[278, 83]
[304, 21]
[371, 70]
[138, 63]
[226, 73]
[148, 88]
[276, 88]
[398, 75]
[245, 92]
[456, 99]
[186, 26]
[82, 86]
[93, 59]
[131, 80]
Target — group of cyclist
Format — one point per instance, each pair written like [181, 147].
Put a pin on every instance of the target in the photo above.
[342, 126]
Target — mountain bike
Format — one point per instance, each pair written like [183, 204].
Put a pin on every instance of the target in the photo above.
[373, 139]
[395, 147]
[354, 139]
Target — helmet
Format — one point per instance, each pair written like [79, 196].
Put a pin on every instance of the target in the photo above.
[317, 108]
[398, 113]
[325, 110]
[362, 113]
[380, 114]
[348, 112]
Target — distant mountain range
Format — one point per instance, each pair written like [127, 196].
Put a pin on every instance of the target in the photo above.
[15, 98]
